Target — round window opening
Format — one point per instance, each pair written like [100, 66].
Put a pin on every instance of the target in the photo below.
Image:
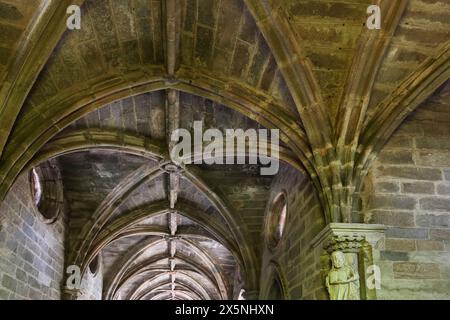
[94, 265]
[277, 220]
[47, 191]
[36, 187]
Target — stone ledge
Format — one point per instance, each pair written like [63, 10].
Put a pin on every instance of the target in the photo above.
[371, 232]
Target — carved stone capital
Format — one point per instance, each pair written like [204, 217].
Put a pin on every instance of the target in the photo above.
[348, 237]
[356, 241]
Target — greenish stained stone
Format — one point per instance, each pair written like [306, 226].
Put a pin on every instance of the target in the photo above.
[9, 35]
[269, 74]
[207, 12]
[204, 45]
[103, 25]
[400, 244]
[394, 256]
[5, 54]
[413, 173]
[325, 9]
[131, 52]
[145, 33]
[397, 157]
[249, 29]
[92, 58]
[230, 14]
[10, 12]
[221, 46]
[187, 48]
[259, 60]
[189, 19]
[157, 31]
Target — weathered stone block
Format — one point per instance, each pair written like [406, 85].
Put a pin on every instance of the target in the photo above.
[241, 59]
[434, 158]
[399, 141]
[296, 292]
[4, 295]
[268, 75]
[5, 53]
[408, 233]
[396, 157]
[334, 10]
[34, 294]
[228, 24]
[418, 187]
[21, 275]
[435, 204]
[387, 187]
[321, 294]
[394, 218]
[9, 282]
[411, 173]
[207, 12]
[447, 175]
[393, 202]
[440, 234]
[443, 189]
[414, 270]
[429, 245]
[259, 60]
[204, 45]
[9, 35]
[28, 256]
[433, 220]
[394, 256]
[428, 142]
[400, 245]
[248, 29]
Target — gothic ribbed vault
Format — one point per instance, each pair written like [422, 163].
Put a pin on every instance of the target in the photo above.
[102, 102]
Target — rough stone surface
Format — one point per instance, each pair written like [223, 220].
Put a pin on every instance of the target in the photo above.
[298, 263]
[105, 97]
[418, 227]
[32, 252]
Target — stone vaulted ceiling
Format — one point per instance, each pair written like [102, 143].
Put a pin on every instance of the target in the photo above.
[103, 101]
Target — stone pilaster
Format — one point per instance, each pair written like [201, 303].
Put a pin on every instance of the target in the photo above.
[359, 243]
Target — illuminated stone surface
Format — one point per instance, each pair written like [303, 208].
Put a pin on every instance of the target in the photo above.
[364, 121]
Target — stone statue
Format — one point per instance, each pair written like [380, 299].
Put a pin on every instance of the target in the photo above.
[342, 280]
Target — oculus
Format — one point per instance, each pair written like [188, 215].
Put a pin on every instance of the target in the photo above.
[47, 191]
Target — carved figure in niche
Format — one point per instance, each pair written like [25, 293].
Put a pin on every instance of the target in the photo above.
[342, 280]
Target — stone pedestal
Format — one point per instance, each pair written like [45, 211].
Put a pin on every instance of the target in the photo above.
[358, 243]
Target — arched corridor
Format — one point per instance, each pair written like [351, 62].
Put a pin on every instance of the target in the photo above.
[224, 150]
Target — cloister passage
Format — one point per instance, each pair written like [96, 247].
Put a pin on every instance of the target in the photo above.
[93, 205]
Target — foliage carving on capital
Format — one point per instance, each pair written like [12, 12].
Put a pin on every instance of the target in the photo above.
[347, 243]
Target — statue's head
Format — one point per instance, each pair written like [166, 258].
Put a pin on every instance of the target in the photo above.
[338, 259]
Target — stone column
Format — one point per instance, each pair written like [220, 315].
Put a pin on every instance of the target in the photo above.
[360, 244]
